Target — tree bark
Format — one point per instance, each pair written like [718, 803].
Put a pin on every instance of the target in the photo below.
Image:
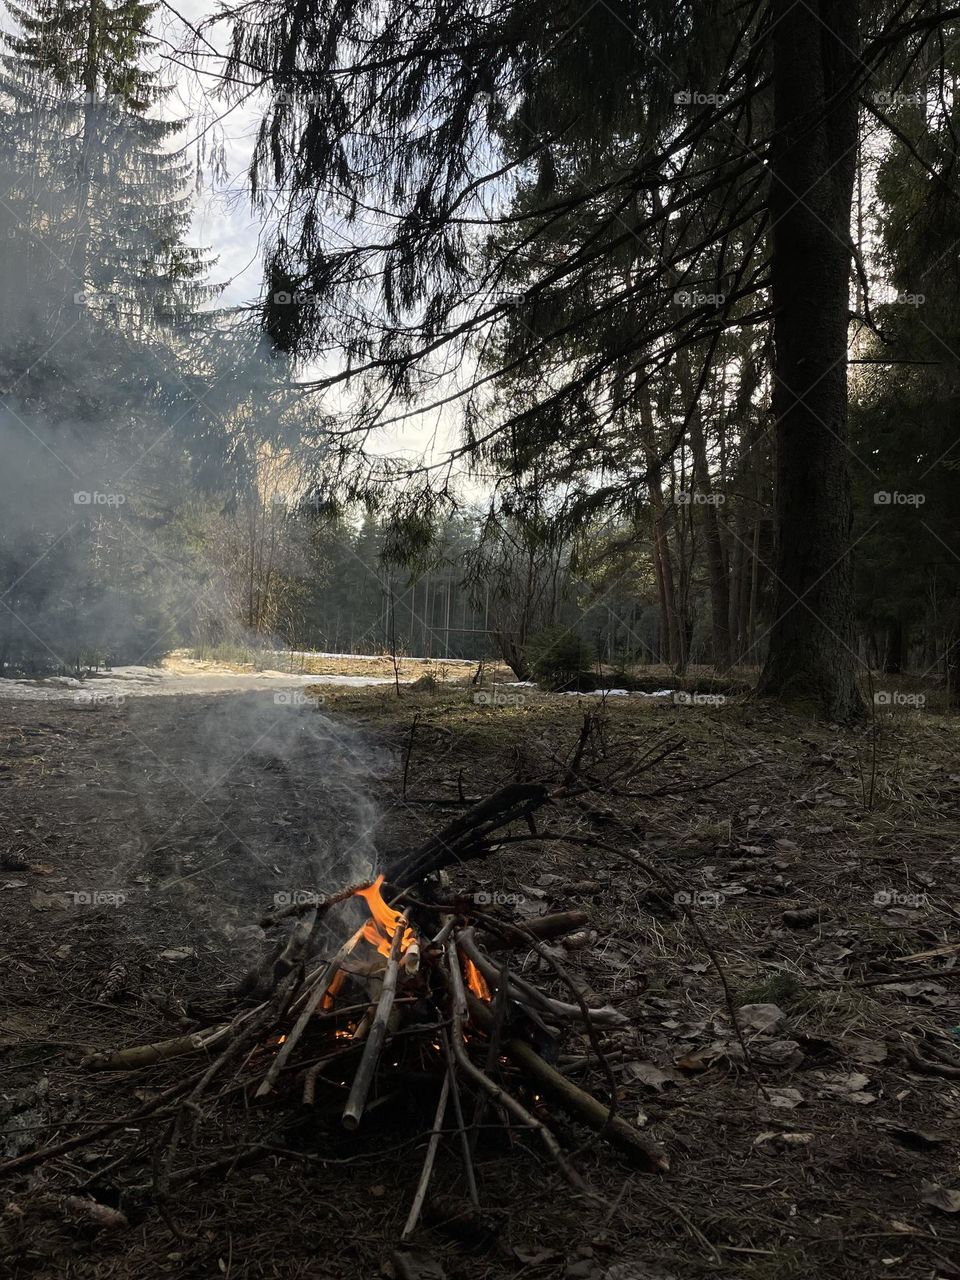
[811, 657]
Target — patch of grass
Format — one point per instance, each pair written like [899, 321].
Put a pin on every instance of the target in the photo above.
[781, 989]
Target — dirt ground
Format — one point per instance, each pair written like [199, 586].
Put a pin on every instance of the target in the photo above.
[829, 1150]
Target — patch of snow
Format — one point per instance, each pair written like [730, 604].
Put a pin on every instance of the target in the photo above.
[138, 682]
[366, 657]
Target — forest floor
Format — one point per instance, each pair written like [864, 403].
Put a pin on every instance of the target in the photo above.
[832, 1151]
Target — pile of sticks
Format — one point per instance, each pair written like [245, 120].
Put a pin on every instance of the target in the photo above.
[434, 991]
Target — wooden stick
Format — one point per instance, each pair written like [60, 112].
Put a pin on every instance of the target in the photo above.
[20, 1164]
[144, 1055]
[501, 1003]
[318, 903]
[276, 1066]
[373, 1045]
[547, 955]
[323, 974]
[413, 1216]
[617, 1131]
[458, 1112]
[527, 994]
[499, 1095]
[553, 926]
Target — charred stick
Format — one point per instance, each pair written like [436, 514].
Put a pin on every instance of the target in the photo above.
[413, 1216]
[514, 930]
[501, 1003]
[500, 1096]
[528, 994]
[309, 1007]
[326, 973]
[373, 1045]
[466, 837]
[458, 1112]
[573, 1099]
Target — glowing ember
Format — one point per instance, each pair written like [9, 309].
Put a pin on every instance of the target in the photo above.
[380, 930]
[475, 980]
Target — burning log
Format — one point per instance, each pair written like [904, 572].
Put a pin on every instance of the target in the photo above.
[377, 1034]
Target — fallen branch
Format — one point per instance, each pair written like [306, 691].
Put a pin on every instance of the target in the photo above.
[500, 1096]
[594, 1114]
[413, 1216]
[527, 994]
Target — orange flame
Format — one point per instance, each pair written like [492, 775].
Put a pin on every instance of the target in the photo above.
[379, 931]
[475, 980]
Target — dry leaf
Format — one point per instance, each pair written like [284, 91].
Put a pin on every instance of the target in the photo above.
[940, 1197]
[760, 1017]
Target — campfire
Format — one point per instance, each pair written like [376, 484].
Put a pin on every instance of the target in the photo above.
[427, 983]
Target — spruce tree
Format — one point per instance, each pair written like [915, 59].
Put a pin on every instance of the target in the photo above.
[90, 168]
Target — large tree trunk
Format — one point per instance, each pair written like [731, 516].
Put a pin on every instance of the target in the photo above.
[662, 559]
[811, 658]
[716, 561]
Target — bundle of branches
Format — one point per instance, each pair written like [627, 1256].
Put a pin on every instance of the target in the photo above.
[420, 989]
